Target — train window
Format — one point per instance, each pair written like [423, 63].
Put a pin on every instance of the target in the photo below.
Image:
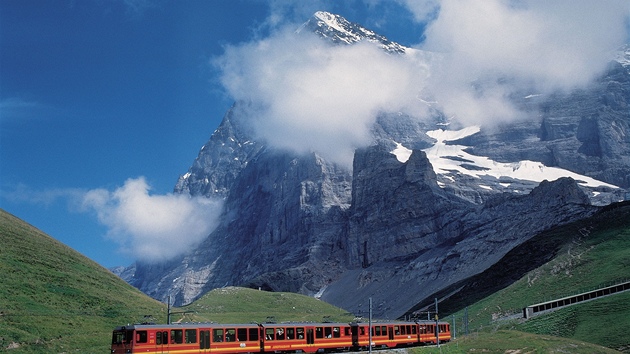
[403, 329]
[328, 332]
[241, 334]
[362, 331]
[397, 330]
[280, 333]
[319, 332]
[190, 336]
[336, 332]
[230, 335]
[204, 339]
[290, 333]
[347, 331]
[377, 331]
[217, 335]
[177, 336]
[118, 337]
[141, 337]
[253, 334]
[300, 333]
[384, 330]
[414, 330]
[269, 335]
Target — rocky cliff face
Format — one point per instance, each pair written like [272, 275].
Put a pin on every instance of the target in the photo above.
[393, 230]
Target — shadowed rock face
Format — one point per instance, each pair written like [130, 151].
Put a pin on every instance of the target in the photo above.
[389, 230]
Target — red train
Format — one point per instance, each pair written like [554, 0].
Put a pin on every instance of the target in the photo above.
[273, 337]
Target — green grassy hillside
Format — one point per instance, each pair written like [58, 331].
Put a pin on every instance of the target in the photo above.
[508, 341]
[242, 305]
[54, 300]
[587, 255]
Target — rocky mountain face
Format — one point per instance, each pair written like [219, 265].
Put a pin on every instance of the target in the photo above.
[396, 231]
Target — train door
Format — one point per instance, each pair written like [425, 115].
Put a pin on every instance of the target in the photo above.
[354, 329]
[310, 337]
[204, 341]
[161, 342]
[390, 330]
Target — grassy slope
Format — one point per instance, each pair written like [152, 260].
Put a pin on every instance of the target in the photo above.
[241, 305]
[506, 341]
[55, 300]
[593, 253]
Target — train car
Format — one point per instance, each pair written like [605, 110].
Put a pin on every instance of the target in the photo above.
[386, 335]
[187, 338]
[306, 337]
[426, 332]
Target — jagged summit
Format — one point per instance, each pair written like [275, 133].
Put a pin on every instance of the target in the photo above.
[341, 31]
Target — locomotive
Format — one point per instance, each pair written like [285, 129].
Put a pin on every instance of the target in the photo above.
[274, 337]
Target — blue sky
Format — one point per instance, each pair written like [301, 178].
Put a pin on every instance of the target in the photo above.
[105, 103]
[94, 92]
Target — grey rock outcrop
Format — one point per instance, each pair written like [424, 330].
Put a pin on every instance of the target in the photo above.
[408, 238]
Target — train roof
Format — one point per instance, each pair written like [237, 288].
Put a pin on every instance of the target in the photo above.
[184, 325]
[250, 325]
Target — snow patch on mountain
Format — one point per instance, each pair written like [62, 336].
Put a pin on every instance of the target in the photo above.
[449, 158]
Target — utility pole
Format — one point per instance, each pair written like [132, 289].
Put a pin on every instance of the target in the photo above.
[370, 329]
[466, 320]
[437, 328]
[168, 311]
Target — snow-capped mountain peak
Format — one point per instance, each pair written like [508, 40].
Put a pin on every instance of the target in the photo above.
[341, 31]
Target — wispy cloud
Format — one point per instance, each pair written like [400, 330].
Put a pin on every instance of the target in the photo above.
[17, 108]
[148, 227]
[153, 228]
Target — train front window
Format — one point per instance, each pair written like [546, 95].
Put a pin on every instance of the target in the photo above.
[124, 336]
[118, 337]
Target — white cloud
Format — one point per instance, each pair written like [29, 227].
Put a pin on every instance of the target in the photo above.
[153, 228]
[495, 48]
[303, 94]
[306, 94]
